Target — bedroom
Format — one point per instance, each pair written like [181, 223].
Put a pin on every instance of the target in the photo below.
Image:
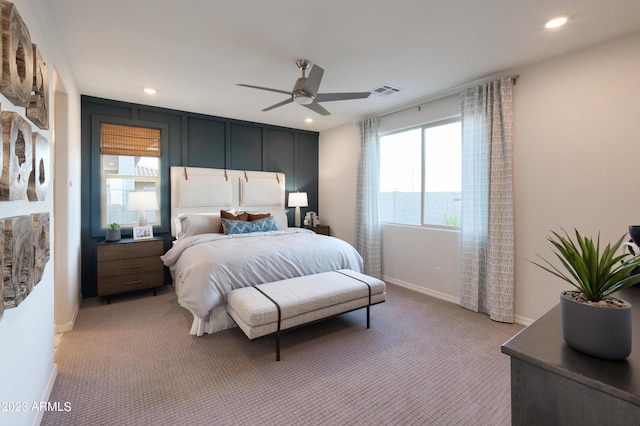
[565, 108]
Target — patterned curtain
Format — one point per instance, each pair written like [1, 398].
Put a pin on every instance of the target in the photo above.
[487, 243]
[368, 188]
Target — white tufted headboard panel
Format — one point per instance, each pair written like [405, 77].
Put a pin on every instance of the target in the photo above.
[203, 190]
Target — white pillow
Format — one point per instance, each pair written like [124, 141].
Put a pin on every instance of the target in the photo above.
[282, 221]
[195, 224]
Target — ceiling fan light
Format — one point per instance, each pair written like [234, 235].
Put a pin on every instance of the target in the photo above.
[303, 99]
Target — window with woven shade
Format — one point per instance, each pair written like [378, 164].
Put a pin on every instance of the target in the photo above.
[129, 140]
[130, 163]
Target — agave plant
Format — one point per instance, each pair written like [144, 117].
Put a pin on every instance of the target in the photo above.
[597, 275]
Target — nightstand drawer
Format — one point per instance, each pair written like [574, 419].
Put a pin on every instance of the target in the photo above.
[115, 268]
[131, 282]
[114, 251]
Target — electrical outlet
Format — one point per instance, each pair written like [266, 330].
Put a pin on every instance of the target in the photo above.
[438, 272]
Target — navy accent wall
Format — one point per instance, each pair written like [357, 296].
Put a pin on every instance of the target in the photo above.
[195, 140]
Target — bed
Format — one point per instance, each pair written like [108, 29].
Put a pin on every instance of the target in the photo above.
[206, 264]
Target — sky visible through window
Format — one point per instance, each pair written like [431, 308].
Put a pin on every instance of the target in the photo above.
[443, 158]
[400, 160]
[400, 164]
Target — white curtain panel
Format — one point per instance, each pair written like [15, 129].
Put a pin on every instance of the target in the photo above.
[367, 238]
[487, 240]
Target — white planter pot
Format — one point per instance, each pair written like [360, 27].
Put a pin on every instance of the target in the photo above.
[602, 332]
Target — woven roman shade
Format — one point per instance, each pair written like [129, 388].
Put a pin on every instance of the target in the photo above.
[128, 140]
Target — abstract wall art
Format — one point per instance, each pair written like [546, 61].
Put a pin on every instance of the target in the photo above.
[25, 251]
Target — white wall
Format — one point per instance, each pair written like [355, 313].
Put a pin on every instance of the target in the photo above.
[577, 140]
[575, 148]
[338, 153]
[67, 205]
[26, 332]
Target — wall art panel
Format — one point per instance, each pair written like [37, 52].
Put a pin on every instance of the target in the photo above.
[16, 81]
[41, 174]
[17, 146]
[38, 109]
[41, 245]
[18, 260]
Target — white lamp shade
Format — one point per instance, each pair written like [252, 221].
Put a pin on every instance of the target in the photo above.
[298, 199]
[142, 201]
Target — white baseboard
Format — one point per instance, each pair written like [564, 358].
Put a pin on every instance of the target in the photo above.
[47, 394]
[63, 328]
[522, 320]
[419, 289]
[443, 296]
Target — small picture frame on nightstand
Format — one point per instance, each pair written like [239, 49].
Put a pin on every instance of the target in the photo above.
[142, 232]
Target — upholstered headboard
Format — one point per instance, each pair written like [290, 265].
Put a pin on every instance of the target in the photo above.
[203, 190]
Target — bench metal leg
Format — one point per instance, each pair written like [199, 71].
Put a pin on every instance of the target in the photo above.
[368, 323]
[278, 346]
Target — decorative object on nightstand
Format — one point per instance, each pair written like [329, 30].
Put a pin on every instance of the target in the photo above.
[113, 233]
[311, 219]
[129, 265]
[142, 232]
[142, 202]
[297, 200]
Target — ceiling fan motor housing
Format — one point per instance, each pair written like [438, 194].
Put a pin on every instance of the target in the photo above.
[300, 96]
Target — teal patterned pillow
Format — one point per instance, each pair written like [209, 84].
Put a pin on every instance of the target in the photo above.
[244, 227]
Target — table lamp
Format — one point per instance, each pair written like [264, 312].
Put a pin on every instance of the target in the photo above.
[297, 200]
[142, 202]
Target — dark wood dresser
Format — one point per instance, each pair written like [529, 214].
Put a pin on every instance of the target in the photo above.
[129, 265]
[552, 384]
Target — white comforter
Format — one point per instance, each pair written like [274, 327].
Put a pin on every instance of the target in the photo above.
[206, 267]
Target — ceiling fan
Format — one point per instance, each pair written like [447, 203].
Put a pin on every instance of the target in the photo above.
[305, 91]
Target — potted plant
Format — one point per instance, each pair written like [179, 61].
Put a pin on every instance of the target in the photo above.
[113, 233]
[592, 320]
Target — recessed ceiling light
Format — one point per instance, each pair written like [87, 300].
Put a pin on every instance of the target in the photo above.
[556, 22]
[308, 120]
[149, 91]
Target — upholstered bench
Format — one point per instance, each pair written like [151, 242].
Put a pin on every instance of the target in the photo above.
[272, 307]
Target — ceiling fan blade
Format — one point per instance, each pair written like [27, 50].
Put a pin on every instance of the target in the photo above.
[285, 92]
[279, 104]
[328, 97]
[314, 106]
[312, 84]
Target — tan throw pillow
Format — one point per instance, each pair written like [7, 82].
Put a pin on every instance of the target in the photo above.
[257, 216]
[226, 215]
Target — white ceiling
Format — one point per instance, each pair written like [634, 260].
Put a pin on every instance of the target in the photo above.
[195, 51]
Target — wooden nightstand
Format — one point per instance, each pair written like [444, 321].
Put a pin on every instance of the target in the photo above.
[129, 265]
[320, 229]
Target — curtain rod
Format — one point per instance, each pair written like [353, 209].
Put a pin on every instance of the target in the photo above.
[444, 94]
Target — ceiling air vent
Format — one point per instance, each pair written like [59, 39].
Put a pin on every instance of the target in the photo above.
[385, 90]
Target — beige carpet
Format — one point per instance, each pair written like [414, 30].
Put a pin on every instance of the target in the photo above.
[423, 362]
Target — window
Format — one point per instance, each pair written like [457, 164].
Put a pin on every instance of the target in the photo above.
[421, 175]
[130, 159]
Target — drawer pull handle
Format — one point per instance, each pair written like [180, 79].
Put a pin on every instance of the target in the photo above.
[131, 266]
[132, 282]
